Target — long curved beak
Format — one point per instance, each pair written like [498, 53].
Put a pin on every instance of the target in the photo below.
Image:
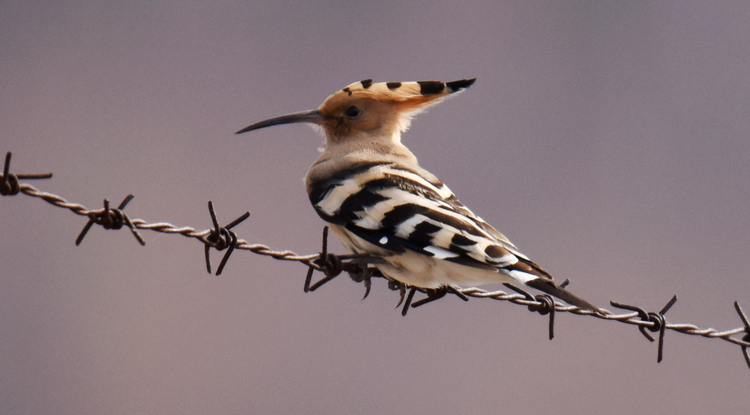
[306, 116]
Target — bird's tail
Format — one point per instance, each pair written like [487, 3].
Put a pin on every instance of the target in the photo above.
[561, 293]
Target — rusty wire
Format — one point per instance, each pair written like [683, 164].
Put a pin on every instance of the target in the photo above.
[360, 269]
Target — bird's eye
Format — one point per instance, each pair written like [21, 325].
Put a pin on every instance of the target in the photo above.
[353, 112]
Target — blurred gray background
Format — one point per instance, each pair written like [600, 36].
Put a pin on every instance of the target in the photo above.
[610, 140]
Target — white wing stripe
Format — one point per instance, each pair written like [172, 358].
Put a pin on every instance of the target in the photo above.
[332, 201]
[440, 252]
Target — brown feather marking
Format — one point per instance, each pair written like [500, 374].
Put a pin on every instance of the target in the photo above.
[495, 251]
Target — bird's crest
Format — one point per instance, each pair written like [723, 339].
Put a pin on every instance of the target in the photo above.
[411, 96]
[418, 92]
[407, 98]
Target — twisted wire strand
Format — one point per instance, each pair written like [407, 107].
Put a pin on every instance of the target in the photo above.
[164, 227]
[632, 318]
[314, 261]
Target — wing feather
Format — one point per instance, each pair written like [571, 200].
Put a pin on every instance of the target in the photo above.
[399, 209]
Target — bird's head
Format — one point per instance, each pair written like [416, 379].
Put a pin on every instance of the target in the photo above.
[364, 108]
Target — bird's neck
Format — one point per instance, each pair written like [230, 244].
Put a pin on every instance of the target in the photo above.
[338, 156]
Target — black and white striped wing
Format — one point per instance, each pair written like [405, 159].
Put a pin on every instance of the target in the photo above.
[398, 209]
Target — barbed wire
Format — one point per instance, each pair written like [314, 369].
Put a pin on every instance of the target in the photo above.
[361, 268]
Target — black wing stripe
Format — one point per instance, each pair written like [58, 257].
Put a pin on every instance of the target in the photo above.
[357, 203]
[321, 189]
[422, 234]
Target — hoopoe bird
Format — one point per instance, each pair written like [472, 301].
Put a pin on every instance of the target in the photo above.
[377, 200]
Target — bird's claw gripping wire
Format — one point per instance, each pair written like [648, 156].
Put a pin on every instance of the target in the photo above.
[401, 287]
[356, 265]
[221, 238]
[110, 219]
[359, 271]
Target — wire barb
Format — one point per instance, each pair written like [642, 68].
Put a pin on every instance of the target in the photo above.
[10, 185]
[330, 264]
[746, 337]
[656, 321]
[221, 238]
[543, 304]
[110, 219]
